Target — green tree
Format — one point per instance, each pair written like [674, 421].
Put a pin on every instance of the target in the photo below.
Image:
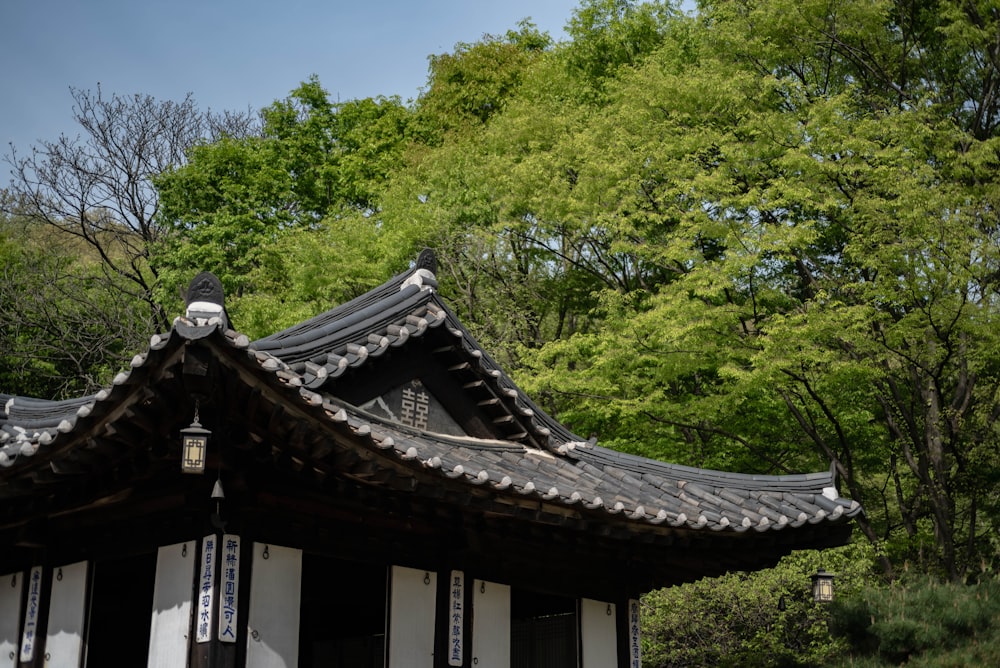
[472, 84]
[336, 155]
[826, 262]
[500, 197]
[97, 186]
[610, 34]
[252, 210]
[63, 333]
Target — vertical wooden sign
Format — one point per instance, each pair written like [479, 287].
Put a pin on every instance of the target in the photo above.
[229, 587]
[31, 606]
[206, 590]
[456, 618]
[634, 635]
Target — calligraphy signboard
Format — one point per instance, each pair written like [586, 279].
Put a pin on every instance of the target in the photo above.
[29, 635]
[206, 590]
[455, 618]
[228, 596]
[634, 636]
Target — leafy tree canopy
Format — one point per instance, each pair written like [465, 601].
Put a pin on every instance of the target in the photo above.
[252, 210]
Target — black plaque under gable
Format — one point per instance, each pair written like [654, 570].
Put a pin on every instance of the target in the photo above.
[413, 405]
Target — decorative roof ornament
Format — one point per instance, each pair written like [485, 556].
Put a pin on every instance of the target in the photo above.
[205, 300]
[424, 272]
[427, 260]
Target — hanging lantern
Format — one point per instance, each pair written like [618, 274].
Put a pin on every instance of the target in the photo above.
[822, 586]
[194, 445]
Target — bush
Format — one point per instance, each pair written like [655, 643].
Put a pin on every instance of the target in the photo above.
[766, 618]
[922, 623]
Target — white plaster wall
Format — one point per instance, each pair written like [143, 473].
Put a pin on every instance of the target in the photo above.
[599, 633]
[412, 604]
[490, 625]
[67, 607]
[11, 586]
[275, 600]
[173, 589]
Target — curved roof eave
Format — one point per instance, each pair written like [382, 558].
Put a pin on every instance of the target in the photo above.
[573, 475]
[27, 424]
[588, 477]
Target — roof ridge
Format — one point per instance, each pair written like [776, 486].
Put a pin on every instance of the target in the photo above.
[425, 267]
[816, 481]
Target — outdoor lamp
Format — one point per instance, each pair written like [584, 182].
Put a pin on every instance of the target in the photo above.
[822, 586]
[194, 443]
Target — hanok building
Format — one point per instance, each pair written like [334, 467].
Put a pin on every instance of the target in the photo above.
[375, 491]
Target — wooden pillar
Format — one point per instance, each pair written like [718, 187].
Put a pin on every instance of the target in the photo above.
[412, 607]
[173, 590]
[67, 608]
[598, 634]
[490, 625]
[275, 601]
[11, 586]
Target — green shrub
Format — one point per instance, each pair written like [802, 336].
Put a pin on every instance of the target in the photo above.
[737, 621]
[762, 619]
[921, 623]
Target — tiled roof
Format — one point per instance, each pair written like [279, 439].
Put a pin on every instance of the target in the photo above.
[565, 472]
[404, 308]
[594, 478]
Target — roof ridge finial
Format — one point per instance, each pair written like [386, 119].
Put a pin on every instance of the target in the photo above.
[205, 299]
[427, 260]
[424, 273]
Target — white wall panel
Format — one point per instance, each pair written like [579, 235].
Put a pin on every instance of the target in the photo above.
[412, 606]
[599, 633]
[275, 600]
[11, 586]
[67, 606]
[170, 626]
[490, 625]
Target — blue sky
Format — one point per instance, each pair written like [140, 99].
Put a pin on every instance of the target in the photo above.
[229, 54]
